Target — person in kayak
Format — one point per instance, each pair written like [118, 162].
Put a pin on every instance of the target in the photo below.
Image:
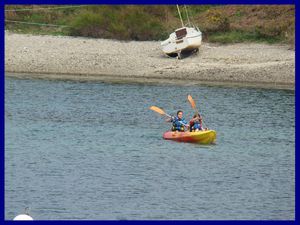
[196, 123]
[178, 122]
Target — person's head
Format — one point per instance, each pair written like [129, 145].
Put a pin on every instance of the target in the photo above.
[197, 115]
[179, 114]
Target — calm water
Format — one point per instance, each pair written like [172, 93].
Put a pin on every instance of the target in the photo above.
[95, 151]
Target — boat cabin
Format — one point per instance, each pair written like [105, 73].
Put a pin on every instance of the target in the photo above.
[180, 33]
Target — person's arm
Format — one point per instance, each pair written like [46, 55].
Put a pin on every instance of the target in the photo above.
[185, 123]
[201, 126]
[192, 122]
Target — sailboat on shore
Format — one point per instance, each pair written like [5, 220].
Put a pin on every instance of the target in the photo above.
[185, 40]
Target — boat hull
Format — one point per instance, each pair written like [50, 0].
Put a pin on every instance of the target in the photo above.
[200, 137]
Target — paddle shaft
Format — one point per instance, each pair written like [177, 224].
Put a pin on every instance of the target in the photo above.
[193, 104]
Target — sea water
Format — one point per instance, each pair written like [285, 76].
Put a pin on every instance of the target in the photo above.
[94, 151]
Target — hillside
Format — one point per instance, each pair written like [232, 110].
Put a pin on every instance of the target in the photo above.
[219, 23]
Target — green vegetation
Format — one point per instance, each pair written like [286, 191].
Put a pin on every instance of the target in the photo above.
[240, 36]
[219, 23]
[124, 23]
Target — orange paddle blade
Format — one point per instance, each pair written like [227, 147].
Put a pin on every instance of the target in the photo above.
[158, 110]
[191, 100]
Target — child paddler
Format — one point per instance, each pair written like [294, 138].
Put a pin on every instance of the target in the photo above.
[178, 122]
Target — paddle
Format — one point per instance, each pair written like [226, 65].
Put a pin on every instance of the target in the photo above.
[162, 112]
[193, 104]
[159, 110]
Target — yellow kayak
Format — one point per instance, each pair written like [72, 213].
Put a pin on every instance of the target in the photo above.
[201, 137]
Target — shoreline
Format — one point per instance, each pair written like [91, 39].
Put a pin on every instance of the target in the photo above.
[87, 59]
[145, 81]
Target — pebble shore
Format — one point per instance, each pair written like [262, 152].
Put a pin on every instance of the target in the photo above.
[87, 59]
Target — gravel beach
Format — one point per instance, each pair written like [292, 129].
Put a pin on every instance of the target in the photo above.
[87, 59]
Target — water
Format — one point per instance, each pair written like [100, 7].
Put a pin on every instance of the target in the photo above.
[94, 151]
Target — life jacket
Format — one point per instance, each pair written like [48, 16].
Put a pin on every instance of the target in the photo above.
[177, 124]
[195, 125]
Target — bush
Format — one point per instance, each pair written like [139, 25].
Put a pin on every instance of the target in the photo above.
[87, 24]
[129, 23]
[216, 22]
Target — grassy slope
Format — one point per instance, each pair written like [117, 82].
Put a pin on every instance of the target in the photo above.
[225, 24]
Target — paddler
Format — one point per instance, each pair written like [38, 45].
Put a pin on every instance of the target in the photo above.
[196, 123]
[178, 122]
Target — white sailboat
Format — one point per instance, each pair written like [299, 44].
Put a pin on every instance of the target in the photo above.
[186, 39]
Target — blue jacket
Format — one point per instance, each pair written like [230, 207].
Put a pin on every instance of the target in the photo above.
[178, 123]
[195, 125]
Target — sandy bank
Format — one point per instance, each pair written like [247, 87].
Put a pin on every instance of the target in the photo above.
[69, 58]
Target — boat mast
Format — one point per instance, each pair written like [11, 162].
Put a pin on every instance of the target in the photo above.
[180, 15]
[187, 15]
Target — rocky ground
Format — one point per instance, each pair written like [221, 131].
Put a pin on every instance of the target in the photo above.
[85, 59]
